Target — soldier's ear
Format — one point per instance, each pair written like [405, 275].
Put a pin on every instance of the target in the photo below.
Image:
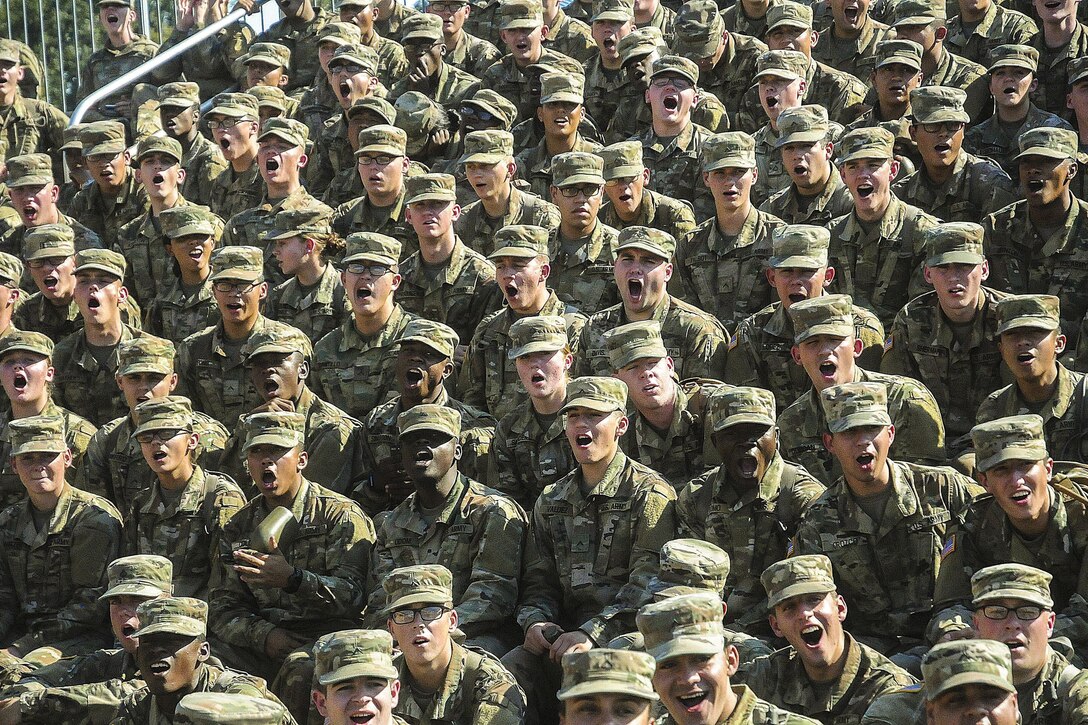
[303, 459]
[826, 438]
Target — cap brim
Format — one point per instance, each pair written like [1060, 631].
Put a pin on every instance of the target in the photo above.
[1073, 80]
[1014, 453]
[590, 403]
[615, 16]
[859, 420]
[913, 20]
[706, 644]
[675, 71]
[177, 102]
[369, 257]
[776, 73]
[581, 179]
[620, 172]
[419, 597]
[801, 137]
[153, 425]
[640, 353]
[1033, 322]
[264, 59]
[358, 670]
[536, 346]
[942, 115]
[425, 341]
[271, 439]
[1044, 151]
[40, 446]
[519, 252]
[379, 148]
[899, 60]
[522, 25]
[242, 275]
[284, 135]
[187, 630]
[432, 196]
[742, 419]
[796, 261]
[737, 162]
[192, 230]
[484, 158]
[828, 329]
[110, 147]
[101, 268]
[229, 112]
[1013, 593]
[31, 180]
[605, 686]
[796, 590]
[651, 248]
[954, 258]
[133, 590]
[788, 23]
[427, 425]
[697, 48]
[142, 367]
[165, 152]
[272, 347]
[562, 97]
[51, 252]
[24, 348]
[969, 678]
[863, 154]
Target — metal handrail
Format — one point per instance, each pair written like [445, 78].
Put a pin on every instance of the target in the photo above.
[158, 61]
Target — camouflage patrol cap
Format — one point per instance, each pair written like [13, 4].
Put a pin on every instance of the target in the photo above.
[440, 338]
[382, 139]
[271, 53]
[418, 116]
[235, 105]
[71, 138]
[789, 65]
[917, 12]
[179, 94]
[422, 584]
[430, 187]
[241, 263]
[11, 269]
[190, 220]
[1017, 437]
[797, 575]
[967, 662]
[104, 260]
[540, 333]
[520, 14]
[339, 33]
[803, 124]
[577, 167]
[288, 129]
[494, 103]
[372, 247]
[954, 243]
[732, 149]
[145, 354]
[855, 405]
[1011, 581]
[269, 97]
[380, 107]
[948, 621]
[9, 51]
[608, 671]
[103, 137]
[356, 3]
[430, 417]
[675, 65]
[220, 708]
[640, 42]
[37, 434]
[690, 624]
[29, 170]
[520, 240]
[634, 341]
[488, 147]
[48, 240]
[691, 563]
[866, 143]
[285, 340]
[824, 315]
[274, 428]
[421, 26]
[172, 615]
[1016, 56]
[1040, 312]
[142, 575]
[599, 394]
[799, 246]
[647, 239]
[1078, 70]
[561, 88]
[898, 51]
[612, 11]
[698, 28]
[109, 3]
[937, 104]
[26, 341]
[738, 405]
[171, 412]
[1048, 141]
[300, 222]
[352, 653]
[790, 15]
[158, 145]
[621, 160]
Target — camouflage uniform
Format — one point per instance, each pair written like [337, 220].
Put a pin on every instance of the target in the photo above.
[1053, 72]
[202, 160]
[316, 311]
[303, 41]
[249, 227]
[571, 37]
[855, 56]
[535, 163]
[233, 193]
[663, 19]
[529, 452]
[449, 86]
[393, 25]
[107, 64]
[999, 26]
[106, 215]
[513, 83]
[360, 215]
[674, 165]
[30, 126]
[699, 28]
[994, 141]
[657, 211]
[471, 54]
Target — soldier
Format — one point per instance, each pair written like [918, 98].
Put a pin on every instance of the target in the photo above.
[184, 304]
[946, 337]
[78, 176]
[630, 203]
[695, 665]
[970, 678]
[897, 71]
[850, 43]
[816, 193]
[215, 708]
[86, 360]
[610, 682]
[653, 13]
[609, 509]
[805, 608]
[299, 30]
[11, 270]
[719, 263]
[780, 79]
[488, 377]
[826, 345]
[55, 570]
[560, 112]
[30, 125]
[354, 665]
[123, 51]
[266, 609]
[566, 35]
[209, 64]
[364, 114]
[749, 505]
[748, 17]
[428, 71]
[469, 53]
[982, 26]
[916, 507]
[432, 134]
[353, 364]
[179, 114]
[490, 169]
[266, 64]
[530, 450]
[116, 197]
[444, 281]
[877, 248]
[392, 63]
[34, 195]
[610, 23]
[320, 102]
[26, 371]
[760, 350]
[234, 120]
[392, 19]
[172, 653]
[1060, 39]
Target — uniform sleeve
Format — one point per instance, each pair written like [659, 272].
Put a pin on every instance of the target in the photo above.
[233, 610]
[470, 382]
[499, 701]
[689, 524]
[339, 592]
[741, 364]
[919, 428]
[896, 360]
[706, 358]
[541, 597]
[492, 593]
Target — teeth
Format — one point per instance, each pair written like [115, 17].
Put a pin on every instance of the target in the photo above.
[810, 629]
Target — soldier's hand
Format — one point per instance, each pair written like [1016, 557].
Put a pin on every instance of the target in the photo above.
[276, 405]
[576, 641]
[281, 643]
[459, 353]
[264, 571]
[535, 640]
[247, 4]
[441, 137]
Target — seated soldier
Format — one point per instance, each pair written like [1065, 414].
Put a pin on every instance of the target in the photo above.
[266, 610]
[428, 72]
[969, 679]
[433, 135]
[172, 652]
[116, 197]
[750, 505]
[475, 531]
[630, 203]
[75, 165]
[897, 71]
[607, 685]
[915, 505]
[438, 675]
[115, 466]
[11, 270]
[354, 678]
[234, 120]
[55, 547]
[179, 115]
[34, 195]
[423, 362]
[560, 112]
[667, 428]
[825, 673]
[363, 115]
[780, 78]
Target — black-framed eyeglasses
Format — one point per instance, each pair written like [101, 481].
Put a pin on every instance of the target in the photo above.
[445, 7]
[349, 68]
[42, 262]
[1025, 613]
[942, 127]
[380, 160]
[162, 436]
[374, 270]
[586, 190]
[229, 286]
[680, 84]
[427, 614]
[228, 122]
[620, 181]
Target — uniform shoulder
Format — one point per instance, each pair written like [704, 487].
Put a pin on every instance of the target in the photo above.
[94, 505]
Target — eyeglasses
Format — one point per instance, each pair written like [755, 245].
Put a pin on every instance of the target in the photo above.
[586, 190]
[427, 614]
[228, 122]
[162, 436]
[445, 7]
[478, 113]
[374, 270]
[942, 127]
[228, 287]
[680, 84]
[1026, 613]
[52, 262]
[381, 160]
[349, 68]
[620, 181]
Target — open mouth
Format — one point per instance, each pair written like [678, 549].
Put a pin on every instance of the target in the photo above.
[812, 635]
[423, 456]
[771, 102]
[626, 197]
[127, 630]
[413, 377]
[1009, 90]
[1036, 185]
[93, 303]
[851, 14]
[20, 380]
[897, 89]
[634, 288]
[865, 460]
[224, 143]
[112, 18]
[196, 254]
[268, 479]
[692, 701]
[747, 466]
[345, 89]
[271, 165]
[943, 147]
[956, 291]
[271, 386]
[363, 293]
[797, 297]
[827, 369]
[800, 170]
[609, 44]
[1025, 358]
[671, 102]
[511, 290]
[420, 641]
[234, 306]
[521, 47]
[583, 439]
[158, 179]
[50, 282]
[1052, 5]
[362, 717]
[866, 190]
[30, 213]
[537, 378]
[159, 455]
[1021, 495]
[159, 668]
